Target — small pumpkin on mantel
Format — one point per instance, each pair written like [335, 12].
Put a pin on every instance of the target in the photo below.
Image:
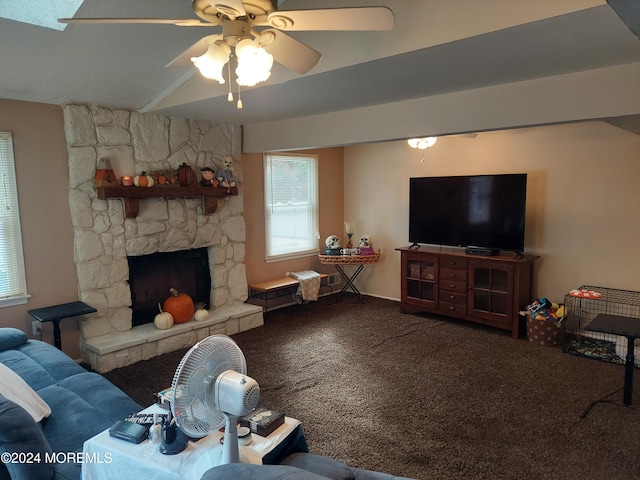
[163, 320]
[180, 306]
[143, 180]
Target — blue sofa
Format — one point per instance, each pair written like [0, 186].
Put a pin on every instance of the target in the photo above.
[82, 404]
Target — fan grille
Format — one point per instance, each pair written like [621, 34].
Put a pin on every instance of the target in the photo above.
[193, 383]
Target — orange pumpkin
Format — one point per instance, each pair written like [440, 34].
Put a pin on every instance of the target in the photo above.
[143, 180]
[180, 306]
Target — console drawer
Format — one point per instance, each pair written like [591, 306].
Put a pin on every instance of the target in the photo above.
[453, 262]
[452, 297]
[452, 308]
[448, 275]
[453, 286]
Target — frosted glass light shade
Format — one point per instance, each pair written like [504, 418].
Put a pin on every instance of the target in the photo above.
[254, 63]
[349, 227]
[213, 60]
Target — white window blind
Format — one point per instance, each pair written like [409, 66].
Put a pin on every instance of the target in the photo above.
[291, 205]
[13, 285]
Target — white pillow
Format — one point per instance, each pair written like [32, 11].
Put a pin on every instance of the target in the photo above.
[14, 388]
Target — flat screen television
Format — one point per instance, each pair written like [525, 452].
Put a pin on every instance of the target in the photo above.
[480, 211]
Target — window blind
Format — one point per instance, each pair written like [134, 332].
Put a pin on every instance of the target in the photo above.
[291, 205]
[13, 286]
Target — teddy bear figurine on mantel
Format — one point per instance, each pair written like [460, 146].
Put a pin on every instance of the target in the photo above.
[227, 174]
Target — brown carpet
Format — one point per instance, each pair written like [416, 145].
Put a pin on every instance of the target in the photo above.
[428, 397]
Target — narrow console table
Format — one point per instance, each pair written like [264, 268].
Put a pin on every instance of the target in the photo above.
[59, 312]
[627, 327]
[356, 260]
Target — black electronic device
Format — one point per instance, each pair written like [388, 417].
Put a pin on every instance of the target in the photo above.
[482, 212]
[129, 431]
[481, 251]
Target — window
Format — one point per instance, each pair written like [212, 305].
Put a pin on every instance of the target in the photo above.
[291, 205]
[13, 286]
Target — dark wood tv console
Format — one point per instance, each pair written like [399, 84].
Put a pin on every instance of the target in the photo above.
[485, 289]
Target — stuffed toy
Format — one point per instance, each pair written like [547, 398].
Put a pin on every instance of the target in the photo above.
[227, 174]
[366, 245]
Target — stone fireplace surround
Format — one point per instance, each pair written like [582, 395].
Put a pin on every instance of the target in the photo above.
[103, 237]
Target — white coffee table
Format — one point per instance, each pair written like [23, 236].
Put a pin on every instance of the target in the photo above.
[106, 458]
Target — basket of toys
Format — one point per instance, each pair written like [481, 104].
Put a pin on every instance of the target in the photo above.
[545, 324]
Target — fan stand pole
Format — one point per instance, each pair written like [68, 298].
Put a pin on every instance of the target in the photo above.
[230, 452]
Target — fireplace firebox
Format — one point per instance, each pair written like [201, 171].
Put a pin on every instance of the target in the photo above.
[151, 277]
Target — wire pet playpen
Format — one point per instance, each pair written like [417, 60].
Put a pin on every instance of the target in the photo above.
[579, 313]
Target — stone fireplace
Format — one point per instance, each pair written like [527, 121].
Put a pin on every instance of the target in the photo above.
[105, 239]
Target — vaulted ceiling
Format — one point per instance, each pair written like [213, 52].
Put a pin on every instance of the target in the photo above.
[436, 47]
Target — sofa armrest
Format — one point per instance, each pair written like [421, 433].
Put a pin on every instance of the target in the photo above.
[333, 469]
[242, 471]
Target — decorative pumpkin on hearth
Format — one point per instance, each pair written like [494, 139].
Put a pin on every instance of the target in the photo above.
[163, 320]
[180, 306]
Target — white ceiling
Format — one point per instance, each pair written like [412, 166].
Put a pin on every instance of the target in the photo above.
[437, 47]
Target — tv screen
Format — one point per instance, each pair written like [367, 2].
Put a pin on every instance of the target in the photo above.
[486, 211]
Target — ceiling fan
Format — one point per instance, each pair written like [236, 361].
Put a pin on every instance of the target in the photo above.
[253, 34]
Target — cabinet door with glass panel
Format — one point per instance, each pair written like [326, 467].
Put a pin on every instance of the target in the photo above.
[491, 292]
[420, 273]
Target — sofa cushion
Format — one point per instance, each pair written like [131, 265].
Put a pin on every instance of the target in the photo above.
[11, 338]
[20, 434]
[242, 471]
[84, 404]
[14, 388]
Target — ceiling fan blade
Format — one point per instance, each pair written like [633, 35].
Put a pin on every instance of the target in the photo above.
[195, 50]
[288, 51]
[231, 8]
[181, 22]
[356, 18]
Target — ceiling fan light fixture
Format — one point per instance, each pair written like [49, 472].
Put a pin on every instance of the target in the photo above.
[254, 63]
[422, 143]
[213, 61]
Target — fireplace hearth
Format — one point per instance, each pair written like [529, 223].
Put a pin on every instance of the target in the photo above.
[151, 276]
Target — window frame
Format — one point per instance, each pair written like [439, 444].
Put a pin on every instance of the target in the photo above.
[314, 220]
[14, 256]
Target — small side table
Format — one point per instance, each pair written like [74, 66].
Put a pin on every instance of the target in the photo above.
[356, 260]
[60, 312]
[627, 327]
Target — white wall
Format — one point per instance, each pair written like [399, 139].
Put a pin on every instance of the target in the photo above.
[583, 198]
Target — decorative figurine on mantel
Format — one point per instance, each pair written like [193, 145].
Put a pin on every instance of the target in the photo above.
[333, 245]
[366, 245]
[227, 174]
[105, 176]
[208, 177]
[186, 176]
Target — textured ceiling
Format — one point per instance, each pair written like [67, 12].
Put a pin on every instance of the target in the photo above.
[436, 47]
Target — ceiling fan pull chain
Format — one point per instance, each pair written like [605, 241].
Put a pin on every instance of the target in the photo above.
[230, 94]
[239, 99]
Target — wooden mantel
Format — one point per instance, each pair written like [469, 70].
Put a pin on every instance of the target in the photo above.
[132, 195]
